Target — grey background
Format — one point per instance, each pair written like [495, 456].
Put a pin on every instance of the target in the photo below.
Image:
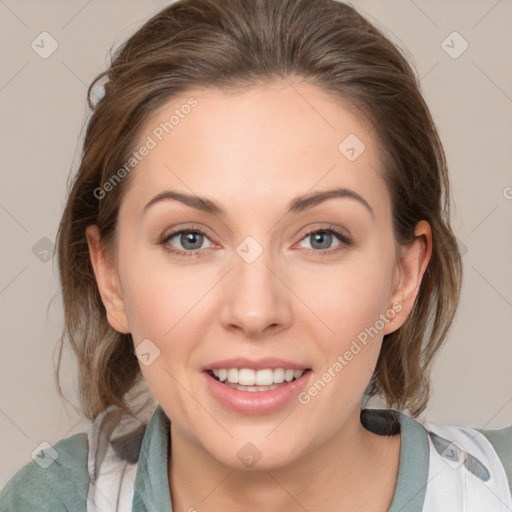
[43, 108]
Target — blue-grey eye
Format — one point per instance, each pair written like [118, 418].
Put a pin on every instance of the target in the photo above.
[189, 240]
[322, 239]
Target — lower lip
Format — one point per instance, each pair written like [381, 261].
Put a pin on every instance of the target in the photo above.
[256, 402]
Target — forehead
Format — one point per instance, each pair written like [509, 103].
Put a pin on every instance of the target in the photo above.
[272, 141]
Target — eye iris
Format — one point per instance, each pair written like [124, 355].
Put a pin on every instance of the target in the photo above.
[321, 236]
[190, 237]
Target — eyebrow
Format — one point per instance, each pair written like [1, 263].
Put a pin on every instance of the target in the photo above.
[296, 205]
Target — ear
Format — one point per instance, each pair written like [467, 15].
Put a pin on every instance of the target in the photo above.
[410, 270]
[108, 281]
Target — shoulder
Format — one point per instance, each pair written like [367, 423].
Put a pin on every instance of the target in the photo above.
[56, 480]
[481, 458]
[501, 440]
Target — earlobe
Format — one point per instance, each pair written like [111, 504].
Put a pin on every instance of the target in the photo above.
[107, 280]
[411, 269]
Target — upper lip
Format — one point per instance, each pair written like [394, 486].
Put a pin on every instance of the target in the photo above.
[255, 364]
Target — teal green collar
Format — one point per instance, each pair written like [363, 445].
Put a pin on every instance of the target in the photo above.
[151, 491]
[412, 477]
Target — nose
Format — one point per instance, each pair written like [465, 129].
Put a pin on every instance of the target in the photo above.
[255, 298]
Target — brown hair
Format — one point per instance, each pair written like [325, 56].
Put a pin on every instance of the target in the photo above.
[237, 44]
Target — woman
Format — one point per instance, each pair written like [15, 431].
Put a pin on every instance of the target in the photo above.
[259, 231]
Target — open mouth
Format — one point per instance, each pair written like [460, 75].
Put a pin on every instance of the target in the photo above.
[261, 380]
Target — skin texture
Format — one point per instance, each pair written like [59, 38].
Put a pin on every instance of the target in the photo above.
[253, 152]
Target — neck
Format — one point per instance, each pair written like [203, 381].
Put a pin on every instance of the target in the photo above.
[336, 475]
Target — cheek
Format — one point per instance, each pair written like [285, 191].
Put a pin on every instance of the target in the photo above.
[163, 305]
[158, 294]
[348, 296]
[350, 299]
[150, 311]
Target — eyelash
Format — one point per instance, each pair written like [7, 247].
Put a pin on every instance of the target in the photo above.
[342, 237]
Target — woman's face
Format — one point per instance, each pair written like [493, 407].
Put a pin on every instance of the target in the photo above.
[247, 281]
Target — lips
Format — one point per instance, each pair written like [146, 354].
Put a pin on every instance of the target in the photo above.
[258, 401]
[288, 379]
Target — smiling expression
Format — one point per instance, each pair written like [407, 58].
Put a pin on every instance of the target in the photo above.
[247, 233]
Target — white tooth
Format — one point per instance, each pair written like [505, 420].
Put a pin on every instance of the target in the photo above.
[247, 377]
[233, 375]
[278, 375]
[264, 377]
